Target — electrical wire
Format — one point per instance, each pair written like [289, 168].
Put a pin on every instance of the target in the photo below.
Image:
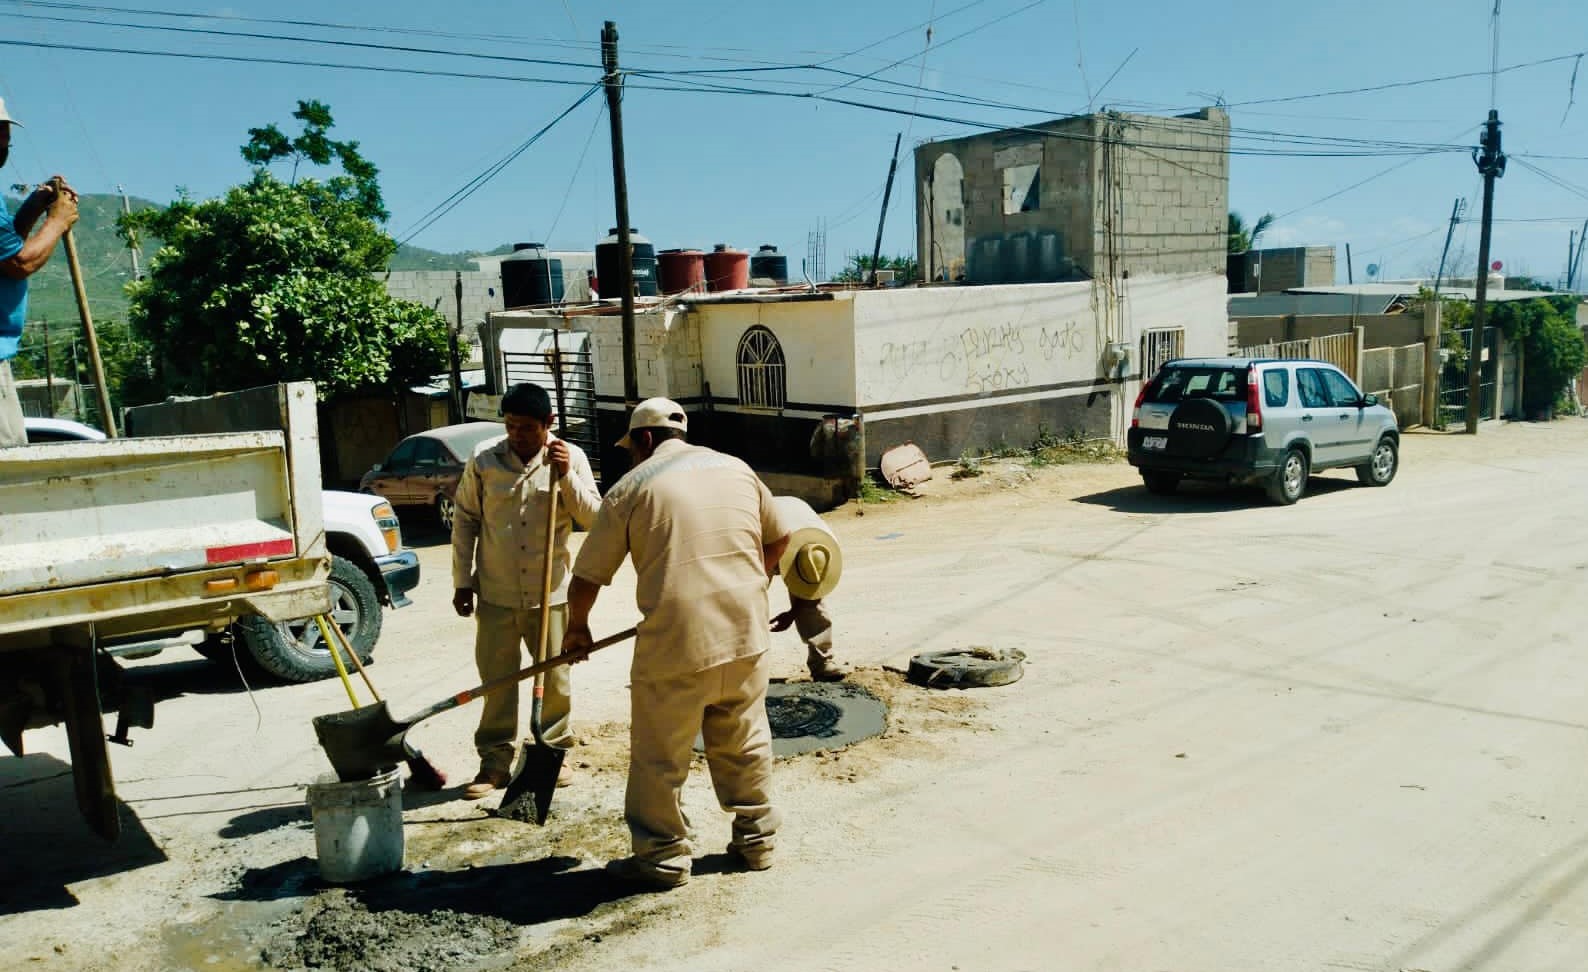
[1572, 188]
[578, 169]
[468, 189]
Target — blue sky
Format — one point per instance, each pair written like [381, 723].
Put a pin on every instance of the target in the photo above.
[748, 169]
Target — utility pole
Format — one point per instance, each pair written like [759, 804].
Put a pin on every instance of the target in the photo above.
[620, 190]
[1576, 267]
[1456, 209]
[1491, 165]
[132, 244]
[455, 398]
[887, 191]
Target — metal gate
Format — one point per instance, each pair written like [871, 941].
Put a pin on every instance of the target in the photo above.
[564, 367]
[1453, 376]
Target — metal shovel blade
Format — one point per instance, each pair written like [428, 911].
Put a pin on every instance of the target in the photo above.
[361, 743]
[536, 779]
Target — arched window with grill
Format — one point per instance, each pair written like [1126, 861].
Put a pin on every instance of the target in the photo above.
[762, 374]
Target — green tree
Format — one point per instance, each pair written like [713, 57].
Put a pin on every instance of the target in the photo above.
[274, 281]
[1553, 352]
[1243, 237]
[905, 269]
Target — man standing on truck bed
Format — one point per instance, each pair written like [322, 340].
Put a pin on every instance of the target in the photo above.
[498, 549]
[20, 258]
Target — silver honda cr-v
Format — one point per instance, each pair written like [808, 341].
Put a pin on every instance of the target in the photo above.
[1251, 420]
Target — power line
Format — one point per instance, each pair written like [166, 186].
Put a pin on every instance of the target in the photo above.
[1572, 188]
[291, 62]
[473, 185]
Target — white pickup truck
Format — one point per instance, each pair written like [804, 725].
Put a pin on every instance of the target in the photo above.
[143, 537]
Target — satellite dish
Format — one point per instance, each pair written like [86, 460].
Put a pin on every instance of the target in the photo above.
[1372, 269]
[1496, 265]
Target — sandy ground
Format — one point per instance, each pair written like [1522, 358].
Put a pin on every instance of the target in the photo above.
[1342, 735]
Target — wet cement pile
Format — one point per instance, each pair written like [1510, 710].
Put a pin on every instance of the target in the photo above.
[339, 934]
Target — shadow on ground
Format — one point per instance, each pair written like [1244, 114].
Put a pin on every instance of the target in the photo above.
[1194, 497]
[524, 893]
[47, 846]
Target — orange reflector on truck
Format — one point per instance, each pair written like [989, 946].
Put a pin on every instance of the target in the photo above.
[220, 585]
[250, 551]
[261, 580]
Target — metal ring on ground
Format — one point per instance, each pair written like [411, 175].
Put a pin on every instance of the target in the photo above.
[972, 667]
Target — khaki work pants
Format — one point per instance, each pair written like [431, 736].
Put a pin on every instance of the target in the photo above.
[497, 637]
[815, 628]
[12, 431]
[726, 705]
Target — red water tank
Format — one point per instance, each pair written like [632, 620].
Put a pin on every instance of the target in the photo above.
[727, 269]
[679, 270]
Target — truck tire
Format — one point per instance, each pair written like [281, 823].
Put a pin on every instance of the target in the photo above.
[293, 650]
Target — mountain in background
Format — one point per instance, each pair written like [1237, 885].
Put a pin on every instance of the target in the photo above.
[107, 264]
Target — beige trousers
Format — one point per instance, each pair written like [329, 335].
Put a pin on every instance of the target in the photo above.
[498, 636]
[726, 705]
[12, 431]
[815, 628]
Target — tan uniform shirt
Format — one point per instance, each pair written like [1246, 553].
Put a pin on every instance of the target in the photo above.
[499, 524]
[695, 521]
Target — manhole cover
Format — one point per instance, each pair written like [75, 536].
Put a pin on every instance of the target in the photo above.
[810, 716]
[796, 715]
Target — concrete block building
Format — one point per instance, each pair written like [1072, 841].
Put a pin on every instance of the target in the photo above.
[1110, 195]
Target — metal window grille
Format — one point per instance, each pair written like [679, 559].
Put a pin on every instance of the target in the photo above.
[1160, 346]
[575, 378]
[762, 372]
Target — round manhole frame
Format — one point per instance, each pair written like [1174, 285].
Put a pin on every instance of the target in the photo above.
[860, 715]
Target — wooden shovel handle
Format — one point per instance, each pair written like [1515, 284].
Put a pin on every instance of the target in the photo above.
[469, 695]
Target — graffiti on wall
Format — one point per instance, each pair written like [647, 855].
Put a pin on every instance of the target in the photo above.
[979, 360]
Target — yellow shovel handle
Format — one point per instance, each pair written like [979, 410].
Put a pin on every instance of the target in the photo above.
[336, 658]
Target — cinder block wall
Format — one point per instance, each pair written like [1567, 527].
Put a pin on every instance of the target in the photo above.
[1174, 193]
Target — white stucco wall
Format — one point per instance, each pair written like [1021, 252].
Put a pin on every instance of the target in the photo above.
[817, 337]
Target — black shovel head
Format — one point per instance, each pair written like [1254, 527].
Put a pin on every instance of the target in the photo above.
[361, 743]
[536, 781]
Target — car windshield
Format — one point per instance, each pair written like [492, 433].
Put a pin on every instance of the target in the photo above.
[1175, 383]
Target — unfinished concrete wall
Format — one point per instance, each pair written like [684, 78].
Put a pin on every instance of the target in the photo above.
[1395, 375]
[1382, 330]
[1170, 209]
[1280, 268]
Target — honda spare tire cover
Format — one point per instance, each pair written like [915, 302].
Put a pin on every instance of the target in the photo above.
[1199, 428]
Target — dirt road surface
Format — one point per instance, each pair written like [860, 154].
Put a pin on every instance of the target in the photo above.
[1348, 734]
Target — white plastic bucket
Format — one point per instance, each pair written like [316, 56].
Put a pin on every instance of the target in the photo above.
[358, 827]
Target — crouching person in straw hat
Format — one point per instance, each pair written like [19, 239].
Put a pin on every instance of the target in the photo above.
[810, 568]
[704, 535]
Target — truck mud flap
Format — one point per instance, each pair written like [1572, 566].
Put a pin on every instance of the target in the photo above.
[85, 731]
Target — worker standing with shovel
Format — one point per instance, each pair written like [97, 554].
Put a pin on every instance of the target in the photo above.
[20, 258]
[704, 535]
[499, 551]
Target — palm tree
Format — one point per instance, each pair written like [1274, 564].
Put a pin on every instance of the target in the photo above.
[1242, 237]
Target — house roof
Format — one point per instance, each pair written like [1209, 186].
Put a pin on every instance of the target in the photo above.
[1307, 305]
[1409, 289]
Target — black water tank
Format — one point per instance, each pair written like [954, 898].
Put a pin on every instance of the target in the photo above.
[645, 284]
[530, 276]
[768, 264]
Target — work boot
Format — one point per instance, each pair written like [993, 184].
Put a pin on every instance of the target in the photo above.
[752, 859]
[634, 871]
[484, 782]
[824, 667]
[564, 774]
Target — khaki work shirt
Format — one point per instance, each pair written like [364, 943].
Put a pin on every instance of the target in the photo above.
[499, 524]
[694, 521]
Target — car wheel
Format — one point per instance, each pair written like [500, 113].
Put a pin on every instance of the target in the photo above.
[1381, 466]
[444, 510]
[294, 650]
[1290, 479]
[1159, 482]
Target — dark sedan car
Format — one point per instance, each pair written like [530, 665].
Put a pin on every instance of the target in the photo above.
[424, 468]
